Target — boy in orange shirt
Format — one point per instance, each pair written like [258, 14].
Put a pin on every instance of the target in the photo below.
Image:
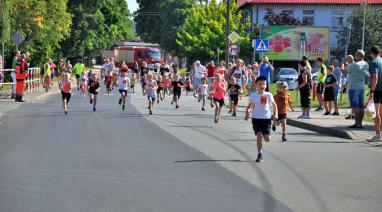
[283, 101]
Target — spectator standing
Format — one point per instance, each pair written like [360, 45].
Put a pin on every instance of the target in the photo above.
[376, 90]
[356, 77]
[305, 87]
[337, 72]
[320, 83]
[265, 70]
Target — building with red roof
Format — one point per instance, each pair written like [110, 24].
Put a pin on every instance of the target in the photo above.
[324, 13]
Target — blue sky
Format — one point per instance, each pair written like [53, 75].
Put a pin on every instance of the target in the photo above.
[132, 4]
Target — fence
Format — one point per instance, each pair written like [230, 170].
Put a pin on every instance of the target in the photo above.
[32, 84]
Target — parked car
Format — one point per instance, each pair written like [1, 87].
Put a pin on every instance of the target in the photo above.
[288, 75]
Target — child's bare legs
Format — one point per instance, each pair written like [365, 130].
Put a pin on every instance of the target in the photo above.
[94, 101]
[65, 105]
[326, 106]
[259, 142]
[330, 106]
[204, 102]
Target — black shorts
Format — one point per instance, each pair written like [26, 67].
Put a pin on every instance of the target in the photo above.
[77, 76]
[261, 126]
[66, 96]
[377, 97]
[123, 91]
[305, 97]
[177, 94]
[220, 101]
[329, 94]
[132, 86]
[282, 116]
[320, 88]
[159, 90]
[234, 99]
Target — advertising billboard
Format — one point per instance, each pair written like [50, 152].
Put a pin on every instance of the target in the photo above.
[285, 42]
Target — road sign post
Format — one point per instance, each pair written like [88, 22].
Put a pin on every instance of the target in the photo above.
[262, 46]
[17, 38]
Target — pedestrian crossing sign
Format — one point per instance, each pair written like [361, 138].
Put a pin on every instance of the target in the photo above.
[262, 46]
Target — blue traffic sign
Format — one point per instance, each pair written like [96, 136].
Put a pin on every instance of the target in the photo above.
[262, 46]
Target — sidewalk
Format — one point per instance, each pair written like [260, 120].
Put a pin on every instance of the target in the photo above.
[336, 126]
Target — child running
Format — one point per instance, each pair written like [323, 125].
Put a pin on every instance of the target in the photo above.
[187, 83]
[260, 106]
[93, 89]
[151, 87]
[283, 102]
[166, 83]
[83, 83]
[233, 91]
[160, 89]
[177, 90]
[143, 84]
[123, 85]
[133, 81]
[203, 92]
[218, 91]
[66, 91]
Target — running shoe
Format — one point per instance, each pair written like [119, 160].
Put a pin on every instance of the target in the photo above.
[123, 107]
[230, 111]
[301, 117]
[212, 105]
[91, 101]
[177, 106]
[283, 138]
[306, 117]
[234, 114]
[216, 121]
[273, 127]
[203, 109]
[94, 109]
[120, 101]
[335, 114]
[66, 112]
[349, 117]
[376, 138]
[319, 109]
[150, 112]
[326, 113]
[259, 158]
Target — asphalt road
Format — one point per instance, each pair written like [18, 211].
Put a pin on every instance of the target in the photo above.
[174, 160]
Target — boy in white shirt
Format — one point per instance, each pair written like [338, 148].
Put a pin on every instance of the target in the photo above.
[123, 85]
[260, 105]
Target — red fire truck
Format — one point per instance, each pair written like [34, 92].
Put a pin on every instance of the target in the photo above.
[130, 52]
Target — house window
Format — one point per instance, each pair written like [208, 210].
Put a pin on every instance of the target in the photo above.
[337, 20]
[308, 17]
[289, 12]
[246, 17]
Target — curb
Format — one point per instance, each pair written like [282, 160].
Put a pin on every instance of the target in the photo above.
[321, 129]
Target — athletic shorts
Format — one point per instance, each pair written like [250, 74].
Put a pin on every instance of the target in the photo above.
[234, 99]
[220, 101]
[123, 91]
[151, 96]
[66, 96]
[177, 94]
[132, 86]
[377, 97]
[159, 90]
[320, 88]
[77, 76]
[329, 94]
[305, 97]
[261, 126]
[282, 116]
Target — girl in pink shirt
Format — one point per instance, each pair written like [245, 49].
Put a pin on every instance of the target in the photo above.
[66, 91]
[218, 90]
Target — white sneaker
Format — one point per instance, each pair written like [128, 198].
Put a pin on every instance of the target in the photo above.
[306, 117]
[376, 138]
[301, 117]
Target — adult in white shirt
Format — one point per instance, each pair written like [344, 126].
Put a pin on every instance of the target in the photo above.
[198, 72]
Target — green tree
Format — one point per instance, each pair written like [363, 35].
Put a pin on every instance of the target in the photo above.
[148, 21]
[204, 31]
[43, 27]
[5, 26]
[373, 32]
[97, 25]
[282, 19]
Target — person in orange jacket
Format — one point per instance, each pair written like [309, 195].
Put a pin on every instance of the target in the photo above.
[21, 72]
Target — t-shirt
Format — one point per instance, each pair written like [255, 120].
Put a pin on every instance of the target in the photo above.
[187, 83]
[150, 87]
[322, 73]
[265, 71]
[83, 80]
[357, 74]
[144, 71]
[251, 86]
[330, 79]
[203, 89]
[79, 68]
[163, 70]
[93, 86]
[66, 86]
[211, 71]
[262, 102]
[177, 86]
[199, 71]
[238, 74]
[338, 74]
[282, 101]
[166, 83]
[218, 91]
[233, 90]
[47, 71]
[376, 67]
[106, 67]
[123, 83]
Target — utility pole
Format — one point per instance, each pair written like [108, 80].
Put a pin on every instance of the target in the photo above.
[364, 23]
[227, 30]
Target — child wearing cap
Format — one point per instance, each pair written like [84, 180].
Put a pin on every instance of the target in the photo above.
[283, 102]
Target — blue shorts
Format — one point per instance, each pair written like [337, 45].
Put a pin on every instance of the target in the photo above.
[196, 82]
[151, 96]
[356, 98]
[336, 92]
